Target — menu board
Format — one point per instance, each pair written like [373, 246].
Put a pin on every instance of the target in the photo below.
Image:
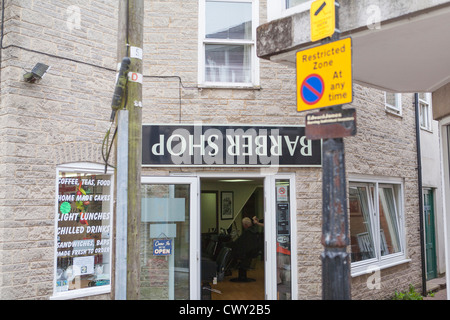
[84, 227]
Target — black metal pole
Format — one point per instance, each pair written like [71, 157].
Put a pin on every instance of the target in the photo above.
[335, 239]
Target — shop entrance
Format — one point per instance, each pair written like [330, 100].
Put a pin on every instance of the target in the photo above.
[232, 238]
[189, 228]
[270, 269]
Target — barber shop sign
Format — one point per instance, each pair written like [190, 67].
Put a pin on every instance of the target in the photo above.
[228, 146]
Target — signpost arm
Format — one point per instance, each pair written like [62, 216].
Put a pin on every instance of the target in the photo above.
[335, 259]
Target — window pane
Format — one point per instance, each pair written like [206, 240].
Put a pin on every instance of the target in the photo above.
[389, 229]
[362, 245]
[424, 112]
[164, 227]
[293, 3]
[228, 20]
[423, 96]
[390, 99]
[84, 231]
[228, 63]
[283, 240]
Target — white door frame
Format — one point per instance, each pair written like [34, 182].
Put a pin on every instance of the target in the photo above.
[270, 268]
[271, 233]
[194, 235]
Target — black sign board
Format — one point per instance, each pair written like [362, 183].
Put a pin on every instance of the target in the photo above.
[331, 124]
[228, 146]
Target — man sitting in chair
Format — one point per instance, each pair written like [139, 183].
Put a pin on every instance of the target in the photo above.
[244, 249]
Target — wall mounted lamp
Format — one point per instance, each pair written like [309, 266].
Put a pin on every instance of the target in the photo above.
[37, 73]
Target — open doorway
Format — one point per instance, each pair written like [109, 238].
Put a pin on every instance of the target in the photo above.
[232, 251]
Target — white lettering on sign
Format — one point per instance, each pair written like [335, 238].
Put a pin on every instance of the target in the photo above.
[251, 145]
[229, 146]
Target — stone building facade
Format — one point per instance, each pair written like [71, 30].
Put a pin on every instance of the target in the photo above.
[62, 121]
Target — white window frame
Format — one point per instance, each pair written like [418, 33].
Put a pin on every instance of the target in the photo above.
[270, 178]
[203, 41]
[276, 9]
[394, 109]
[91, 168]
[381, 262]
[427, 102]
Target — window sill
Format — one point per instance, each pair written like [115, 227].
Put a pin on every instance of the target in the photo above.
[81, 293]
[393, 112]
[369, 268]
[426, 130]
[229, 86]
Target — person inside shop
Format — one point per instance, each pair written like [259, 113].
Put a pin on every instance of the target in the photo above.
[258, 222]
[244, 249]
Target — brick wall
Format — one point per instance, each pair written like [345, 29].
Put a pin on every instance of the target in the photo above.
[59, 120]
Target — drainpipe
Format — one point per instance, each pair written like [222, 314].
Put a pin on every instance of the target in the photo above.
[419, 173]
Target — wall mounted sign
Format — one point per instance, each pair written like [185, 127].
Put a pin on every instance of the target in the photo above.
[228, 146]
[323, 19]
[331, 124]
[324, 75]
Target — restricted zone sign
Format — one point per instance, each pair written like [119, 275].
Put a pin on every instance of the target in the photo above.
[324, 75]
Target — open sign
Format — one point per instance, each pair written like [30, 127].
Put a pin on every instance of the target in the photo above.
[162, 247]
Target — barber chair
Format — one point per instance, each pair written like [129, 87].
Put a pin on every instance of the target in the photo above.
[223, 262]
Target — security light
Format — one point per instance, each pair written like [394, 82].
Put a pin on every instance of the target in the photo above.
[36, 73]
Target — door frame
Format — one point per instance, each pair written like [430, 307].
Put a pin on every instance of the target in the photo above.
[430, 233]
[194, 225]
[270, 268]
[271, 233]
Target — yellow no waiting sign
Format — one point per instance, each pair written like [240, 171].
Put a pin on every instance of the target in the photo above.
[324, 75]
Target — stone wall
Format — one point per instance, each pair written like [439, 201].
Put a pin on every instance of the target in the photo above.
[64, 118]
[61, 119]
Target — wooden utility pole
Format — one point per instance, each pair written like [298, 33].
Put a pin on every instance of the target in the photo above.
[130, 43]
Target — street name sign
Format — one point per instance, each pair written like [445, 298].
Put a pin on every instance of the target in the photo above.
[331, 124]
[323, 19]
[324, 75]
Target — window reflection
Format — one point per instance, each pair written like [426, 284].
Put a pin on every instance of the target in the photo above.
[362, 242]
[228, 20]
[225, 63]
[165, 216]
[293, 3]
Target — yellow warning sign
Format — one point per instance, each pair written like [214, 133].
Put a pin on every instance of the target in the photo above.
[323, 19]
[324, 75]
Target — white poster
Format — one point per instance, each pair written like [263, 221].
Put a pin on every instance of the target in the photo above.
[83, 265]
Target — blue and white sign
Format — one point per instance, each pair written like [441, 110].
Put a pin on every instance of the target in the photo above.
[162, 247]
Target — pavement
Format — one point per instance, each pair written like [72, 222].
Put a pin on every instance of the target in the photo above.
[439, 287]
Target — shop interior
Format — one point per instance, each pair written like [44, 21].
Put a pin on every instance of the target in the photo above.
[227, 275]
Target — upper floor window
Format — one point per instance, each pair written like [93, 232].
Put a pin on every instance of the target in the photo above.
[227, 32]
[425, 110]
[281, 8]
[293, 3]
[393, 102]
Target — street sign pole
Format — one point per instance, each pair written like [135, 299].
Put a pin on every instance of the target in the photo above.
[324, 80]
[335, 239]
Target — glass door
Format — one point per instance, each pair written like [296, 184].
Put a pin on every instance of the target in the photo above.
[169, 242]
[280, 238]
